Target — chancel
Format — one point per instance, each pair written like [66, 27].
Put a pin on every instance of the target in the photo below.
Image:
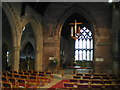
[60, 45]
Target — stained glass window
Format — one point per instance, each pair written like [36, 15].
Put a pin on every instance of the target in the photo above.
[84, 46]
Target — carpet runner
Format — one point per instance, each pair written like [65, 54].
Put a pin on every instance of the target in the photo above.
[59, 84]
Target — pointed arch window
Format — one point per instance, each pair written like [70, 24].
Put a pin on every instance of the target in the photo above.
[84, 46]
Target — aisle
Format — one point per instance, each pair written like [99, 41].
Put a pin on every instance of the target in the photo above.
[57, 77]
[59, 84]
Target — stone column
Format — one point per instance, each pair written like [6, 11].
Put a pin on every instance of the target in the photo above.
[119, 37]
[15, 58]
[115, 26]
[38, 60]
[58, 52]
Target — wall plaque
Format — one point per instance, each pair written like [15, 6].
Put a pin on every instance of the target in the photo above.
[99, 59]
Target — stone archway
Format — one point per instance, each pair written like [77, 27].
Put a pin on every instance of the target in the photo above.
[14, 35]
[61, 22]
[37, 30]
[27, 57]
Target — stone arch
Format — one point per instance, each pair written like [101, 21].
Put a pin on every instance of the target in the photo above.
[58, 27]
[15, 36]
[68, 13]
[25, 43]
[37, 30]
[27, 54]
[11, 20]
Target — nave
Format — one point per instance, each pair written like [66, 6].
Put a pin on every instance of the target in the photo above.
[60, 45]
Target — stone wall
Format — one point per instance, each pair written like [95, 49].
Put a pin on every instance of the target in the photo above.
[99, 14]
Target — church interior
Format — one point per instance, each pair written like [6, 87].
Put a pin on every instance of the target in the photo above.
[60, 45]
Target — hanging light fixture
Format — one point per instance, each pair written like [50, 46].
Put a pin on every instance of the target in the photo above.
[75, 30]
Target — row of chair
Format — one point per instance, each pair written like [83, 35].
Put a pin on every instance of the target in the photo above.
[30, 80]
[95, 81]
[28, 75]
[95, 77]
[28, 72]
[26, 82]
[74, 85]
[95, 74]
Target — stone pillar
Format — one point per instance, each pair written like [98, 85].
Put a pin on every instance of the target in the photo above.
[38, 60]
[15, 58]
[57, 55]
[119, 37]
[115, 27]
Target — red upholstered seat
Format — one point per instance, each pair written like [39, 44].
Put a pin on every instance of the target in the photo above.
[69, 85]
[96, 77]
[73, 80]
[96, 85]
[110, 85]
[96, 81]
[6, 85]
[84, 81]
[86, 77]
[83, 86]
[79, 74]
[77, 77]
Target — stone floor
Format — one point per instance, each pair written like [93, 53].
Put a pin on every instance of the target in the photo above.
[58, 76]
[62, 74]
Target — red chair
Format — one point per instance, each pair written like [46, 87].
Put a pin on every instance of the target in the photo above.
[33, 74]
[107, 81]
[33, 80]
[84, 81]
[105, 77]
[110, 85]
[96, 74]
[35, 71]
[16, 75]
[12, 80]
[4, 73]
[86, 77]
[96, 77]
[69, 85]
[21, 83]
[24, 77]
[77, 77]
[10, 75]
[88, 74]
[48, 73]
[5, 79]
[96, 85]
[21, 73]
[96, 81]
[83, 86]
[75, 81]
[79, 74]
[6, 85]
